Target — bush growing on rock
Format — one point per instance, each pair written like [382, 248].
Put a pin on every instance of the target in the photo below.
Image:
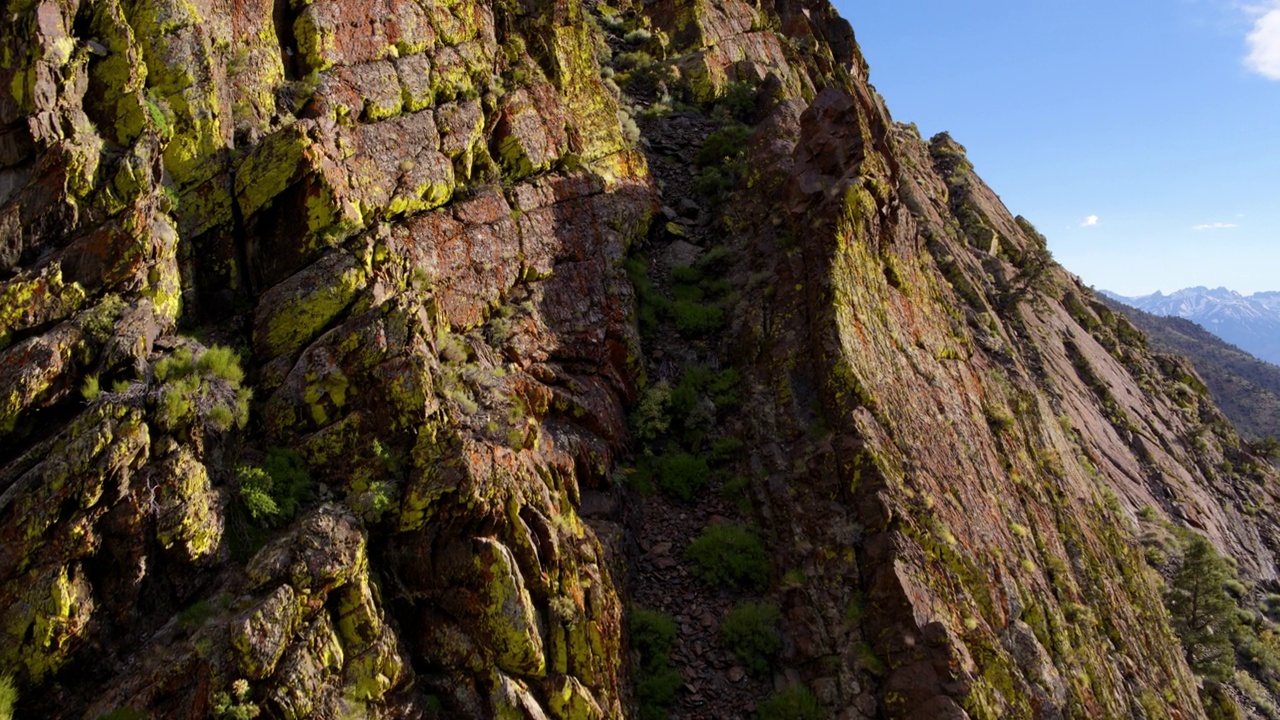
[794, 703]
[721, 161]
[738, 101]
[235, 705]
[730, 555]
[639, 36]
[695, 320]
[682, 475]
[273, 493]
[751, 632]
[652, 636]
[205, 389]
[723, 146]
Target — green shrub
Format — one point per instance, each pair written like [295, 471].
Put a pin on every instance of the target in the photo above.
[236, 704]
[682, 475]
[684, 396]
[91, 389]
[273, 493]
[205, 389]
[737, 490]
[723, 146]
[638, 36]
[255, 492]
[649, 420]
[635, 60]
[730, 555]
[652, 636]
[712, 182]
[738, 101]
[724, 389]
[195, 615]
[751, 632]
[640, 478]
[220, 362]
[715, 261]
[694, 320]
[656, 691]
[867, 659]
[725, 451]
[688, 293]
[650, 304]
[686, 274]
[794, 703]
[8, 697]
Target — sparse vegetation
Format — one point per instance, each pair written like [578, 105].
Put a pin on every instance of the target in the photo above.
[795, 703]
[696, 320]
[652, 636]
[731, 556]
[738, 101]
[682, 475]
[751, 632]
[721, 160]
[205, 389]
[273, 492]
[235, 705]
[90, 390]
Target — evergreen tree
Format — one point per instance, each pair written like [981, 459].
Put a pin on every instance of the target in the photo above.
[1203, 613]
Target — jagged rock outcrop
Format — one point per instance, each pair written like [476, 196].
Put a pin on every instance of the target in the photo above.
[408, 219]
[317, 337]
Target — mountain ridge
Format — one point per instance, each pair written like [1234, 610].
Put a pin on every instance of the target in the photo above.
[567, 361]
[1251, 322]
[1246, 388]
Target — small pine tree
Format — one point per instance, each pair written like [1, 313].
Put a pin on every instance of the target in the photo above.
[1202, 612]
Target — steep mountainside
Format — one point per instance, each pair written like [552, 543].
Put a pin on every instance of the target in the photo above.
[403, 359]
[1246, 388]
[1251, 322]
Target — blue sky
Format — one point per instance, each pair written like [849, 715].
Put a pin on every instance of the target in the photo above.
[1142, 137]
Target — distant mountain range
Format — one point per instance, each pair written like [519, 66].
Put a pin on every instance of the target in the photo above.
[1244, 387]
[1251, 322]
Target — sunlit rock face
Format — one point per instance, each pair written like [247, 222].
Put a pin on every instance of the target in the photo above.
[317, 338]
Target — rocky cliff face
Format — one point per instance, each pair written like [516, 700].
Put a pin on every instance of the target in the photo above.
[318, 338]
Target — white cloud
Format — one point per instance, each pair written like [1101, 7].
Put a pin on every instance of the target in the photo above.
[1214, 226]
[1264, 43]
[1090, 221]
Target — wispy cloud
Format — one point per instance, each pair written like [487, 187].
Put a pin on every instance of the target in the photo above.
[1214, 226]
[1264, 41]
[1090, 221]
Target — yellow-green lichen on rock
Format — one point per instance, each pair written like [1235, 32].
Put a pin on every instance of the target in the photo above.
[571, 700]
[31, 300]
[121, 74]
[47, 623]
[594, 112]
[293, 312]
[188, 520]
[306, 667]
[261, 634]
[181, 79]
[507, 616]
